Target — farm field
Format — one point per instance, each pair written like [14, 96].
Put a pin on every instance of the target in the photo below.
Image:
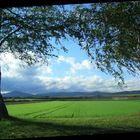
[67, 118]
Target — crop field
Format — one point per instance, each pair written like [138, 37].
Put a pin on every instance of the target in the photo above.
[66, 118]
[75, 109]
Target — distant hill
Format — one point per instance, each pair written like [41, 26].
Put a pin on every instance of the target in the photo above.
[17, 94]
[95, 93]
[73, 94]
[129, 92]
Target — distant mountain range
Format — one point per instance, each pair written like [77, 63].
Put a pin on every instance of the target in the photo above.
[17, 94]
[66, 94]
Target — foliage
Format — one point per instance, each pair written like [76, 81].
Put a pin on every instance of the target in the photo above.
[28, 32]
[108, 32]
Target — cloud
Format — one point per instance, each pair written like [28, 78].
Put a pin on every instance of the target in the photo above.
[39, 79]
[12, 67]
[84, 83]
[75, 66]
[28, 84]
[132, 84]
[16, 75]
[41, 84]
[86, 64]
[43, 70]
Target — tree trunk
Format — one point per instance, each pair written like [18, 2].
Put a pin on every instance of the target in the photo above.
[3, 109]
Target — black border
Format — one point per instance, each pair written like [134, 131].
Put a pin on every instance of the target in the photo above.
[28, 3]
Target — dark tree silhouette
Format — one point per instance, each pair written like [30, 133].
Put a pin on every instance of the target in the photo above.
[3, 109]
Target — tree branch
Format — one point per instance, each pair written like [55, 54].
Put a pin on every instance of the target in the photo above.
[4, 39]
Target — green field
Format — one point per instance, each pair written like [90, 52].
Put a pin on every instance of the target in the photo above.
[65, 118]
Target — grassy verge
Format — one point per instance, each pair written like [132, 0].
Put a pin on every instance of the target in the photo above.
[27, 128]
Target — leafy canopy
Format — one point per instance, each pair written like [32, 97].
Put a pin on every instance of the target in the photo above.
[108, 32]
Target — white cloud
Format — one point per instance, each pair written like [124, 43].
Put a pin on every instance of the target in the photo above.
[86, 64]
[75, 66]
[44, 70]
[10, 66]
[38, 79]
[132, 84]
[84, 83]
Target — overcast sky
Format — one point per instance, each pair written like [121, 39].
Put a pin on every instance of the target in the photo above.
[72, 71]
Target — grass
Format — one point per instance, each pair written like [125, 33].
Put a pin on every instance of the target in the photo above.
[74, 109]
[66, 118]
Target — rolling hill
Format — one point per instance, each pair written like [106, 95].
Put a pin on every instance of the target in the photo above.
[17, 94]
[73, 94]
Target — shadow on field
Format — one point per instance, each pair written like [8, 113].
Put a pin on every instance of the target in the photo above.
[30, 128]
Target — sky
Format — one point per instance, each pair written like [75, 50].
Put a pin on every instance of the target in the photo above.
[69, 72]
